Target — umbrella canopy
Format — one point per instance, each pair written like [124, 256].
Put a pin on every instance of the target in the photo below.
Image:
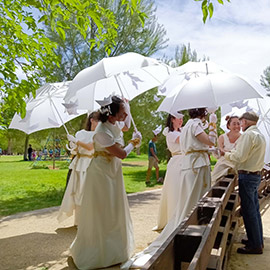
[187, 71]
[45, 110]
[209, 89]
[262, 107]
[127, 75]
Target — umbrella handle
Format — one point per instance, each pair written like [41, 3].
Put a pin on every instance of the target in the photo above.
[59, 116]
[133, 123]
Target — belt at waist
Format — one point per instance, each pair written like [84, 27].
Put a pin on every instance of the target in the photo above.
[176, 154]
[248, 172]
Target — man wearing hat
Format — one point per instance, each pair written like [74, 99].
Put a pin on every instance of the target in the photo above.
[249, 157]
[152, 157]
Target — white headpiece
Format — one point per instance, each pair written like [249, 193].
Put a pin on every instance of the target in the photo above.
[105, 101]
[177, 115]
[157, 130]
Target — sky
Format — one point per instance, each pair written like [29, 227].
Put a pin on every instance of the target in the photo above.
[237, 37]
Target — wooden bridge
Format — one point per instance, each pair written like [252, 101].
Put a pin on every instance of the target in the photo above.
[204, 239]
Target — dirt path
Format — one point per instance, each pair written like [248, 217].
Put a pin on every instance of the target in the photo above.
[34, 240]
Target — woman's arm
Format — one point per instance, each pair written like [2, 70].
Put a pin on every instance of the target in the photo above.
[204, 138]
[88, 146]
[221, 143]
[117, 151]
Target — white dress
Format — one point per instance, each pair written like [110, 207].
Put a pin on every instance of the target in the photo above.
[105, 232]
[194, 181]
[73, 195]
[224, 167]
[171, 188]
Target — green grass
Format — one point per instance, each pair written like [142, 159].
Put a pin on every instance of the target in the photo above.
[26, 186]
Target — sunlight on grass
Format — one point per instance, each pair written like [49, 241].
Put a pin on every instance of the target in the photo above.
[27, 185]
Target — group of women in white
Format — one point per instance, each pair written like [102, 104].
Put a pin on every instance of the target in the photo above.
[96, 188]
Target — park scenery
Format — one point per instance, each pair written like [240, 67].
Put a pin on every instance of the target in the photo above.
[133, 134]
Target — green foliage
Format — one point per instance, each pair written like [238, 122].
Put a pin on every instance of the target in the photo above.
[208, 8]
[25, 48]
[265, 79]
[79, 51]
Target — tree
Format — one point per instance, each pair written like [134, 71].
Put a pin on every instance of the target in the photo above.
[77, 51]
[23, 45]
[208, 8]
[265, 79]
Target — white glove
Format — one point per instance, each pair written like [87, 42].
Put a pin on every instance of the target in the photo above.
[71, 138]
[136, 134]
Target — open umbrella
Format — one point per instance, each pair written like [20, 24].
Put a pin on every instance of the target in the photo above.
[187, 71]
[261, 106]
[127, 75]
[206, 90]
[45, 110]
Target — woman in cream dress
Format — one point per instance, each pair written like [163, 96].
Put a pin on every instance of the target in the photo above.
[226, 143]
[170, 191]
[83, 149]
[105, 232]
[194, 180]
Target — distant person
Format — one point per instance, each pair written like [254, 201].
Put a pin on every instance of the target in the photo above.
[30, 150]
[45, 153]
[249, 158]
[40, 154]
[1, 151]
[153, 158]
[227, 142]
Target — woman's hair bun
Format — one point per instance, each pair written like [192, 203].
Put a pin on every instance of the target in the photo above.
[227, 118]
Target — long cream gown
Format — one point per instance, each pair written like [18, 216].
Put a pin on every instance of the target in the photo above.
[171, 188]
[224, 167]
[73, 195]
[195, 180]
[105, 232]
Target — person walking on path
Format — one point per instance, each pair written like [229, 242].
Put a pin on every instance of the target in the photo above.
[152, 157]
[249, 157]
[105, 231]
[170, 191]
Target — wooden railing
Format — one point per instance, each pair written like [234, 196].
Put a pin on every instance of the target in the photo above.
[204, 239]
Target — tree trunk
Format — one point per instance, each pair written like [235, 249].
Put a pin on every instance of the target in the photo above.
[26, 147]
[9, 150]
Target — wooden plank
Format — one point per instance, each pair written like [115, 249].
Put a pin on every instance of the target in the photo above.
[202, 255]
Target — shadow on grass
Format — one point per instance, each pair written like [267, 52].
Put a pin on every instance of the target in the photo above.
[140, 175]
[131, 165]
[34, 200]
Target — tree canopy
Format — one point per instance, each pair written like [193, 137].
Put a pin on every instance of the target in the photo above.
[79, 51]
[24, 48]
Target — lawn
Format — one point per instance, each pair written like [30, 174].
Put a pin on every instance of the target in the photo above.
[26, 186]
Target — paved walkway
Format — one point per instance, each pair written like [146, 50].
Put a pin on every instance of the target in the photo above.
[35, 240]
